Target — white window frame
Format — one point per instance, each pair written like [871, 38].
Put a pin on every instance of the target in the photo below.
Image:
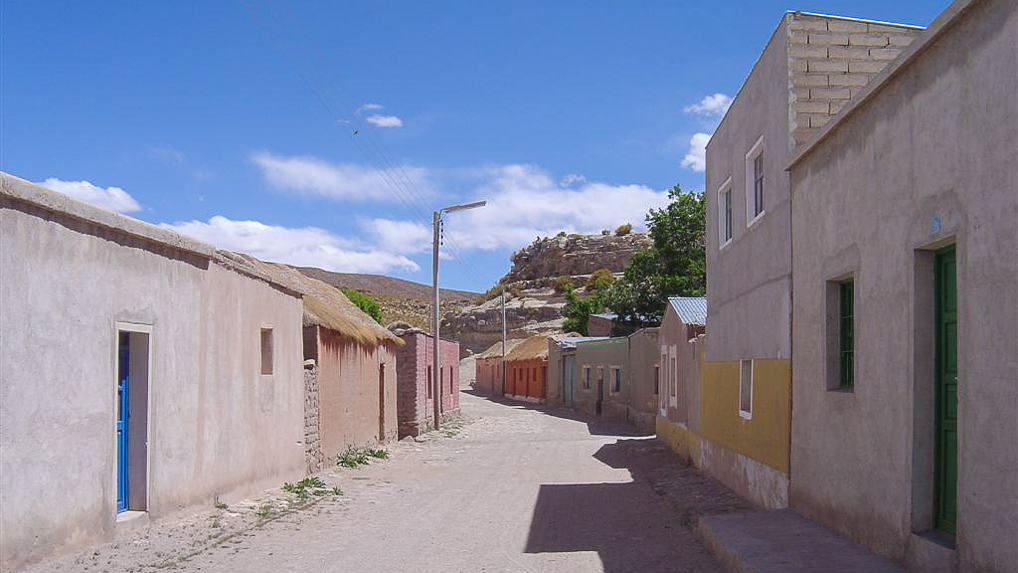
[746, 414]
[754, 151]
[673, 376]
[724, 188]
[663, 381]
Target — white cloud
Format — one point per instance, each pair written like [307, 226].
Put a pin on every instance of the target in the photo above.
[112, 198]
[303, 246]
[345, 181]
[384, 120]
[524, 201]
[403, 237]
[369, 107]
[696, 157]
[572, 179]
[711, 105]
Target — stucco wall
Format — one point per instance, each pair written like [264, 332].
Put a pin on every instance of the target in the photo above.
[928, 160]
[643, 357]
[526, 379]
[682, 404]
[216, 426]
[488, 375]
[349, 394]
[748, 282]
[600, 356]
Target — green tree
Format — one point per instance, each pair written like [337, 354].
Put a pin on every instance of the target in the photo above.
[599, 280]
[365, 303]
[675, 264]
[577, 310]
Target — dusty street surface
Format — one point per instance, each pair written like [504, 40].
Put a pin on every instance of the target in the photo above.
[509, 488]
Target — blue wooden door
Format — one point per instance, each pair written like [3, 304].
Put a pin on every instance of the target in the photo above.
[124, 367]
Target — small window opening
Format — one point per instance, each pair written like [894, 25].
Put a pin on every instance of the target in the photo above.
[267, 351]
[746, 388]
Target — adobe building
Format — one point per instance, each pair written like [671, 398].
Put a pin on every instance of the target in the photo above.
[905, 315]
[682, 330]
[353, 402]
[415, 376]
[811, 67]
[488, 371]
[527, 369]
[618, 377]
[562, 371]
[134, 355]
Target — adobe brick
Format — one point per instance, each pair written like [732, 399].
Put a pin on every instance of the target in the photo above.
[827, 65]
[846, 26]
[830, 93]
[874, 27]
[866, 67]
[850, 80]
[828, 39]
[807, 23]
[849, 52]
[812, 106]
[885, 54]
[807, 51]
[874, 40]
[809, 80]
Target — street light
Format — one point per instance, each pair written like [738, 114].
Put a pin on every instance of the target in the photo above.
[436, 229]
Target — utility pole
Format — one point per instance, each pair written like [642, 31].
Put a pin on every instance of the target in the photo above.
[503, 341]
[436, 240]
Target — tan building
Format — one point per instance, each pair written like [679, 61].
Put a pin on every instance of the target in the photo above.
[141, 362]
[811, 67]
[617, 377]
[905, 316]
[355, 360]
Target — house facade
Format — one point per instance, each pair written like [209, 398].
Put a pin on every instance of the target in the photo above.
[355, 362]
[163, 377]
[563, 374]
[811, 67]
[905, 315]
[415, 378]
[680, 354]
[488, 371]
[615, 378]
[527, 370]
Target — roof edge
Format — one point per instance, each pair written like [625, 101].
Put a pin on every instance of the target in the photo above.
[861, 20]
[923, 41]
[20, 190]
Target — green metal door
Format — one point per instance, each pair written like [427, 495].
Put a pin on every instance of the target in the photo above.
[946, 478]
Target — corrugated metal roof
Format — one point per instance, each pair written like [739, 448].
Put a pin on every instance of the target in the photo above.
[606, 315]
[691, 309]
[571, 341]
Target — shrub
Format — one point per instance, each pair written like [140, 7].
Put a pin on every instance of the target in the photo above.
[515, 291]
[624, 230]
[365, 303]
[561, 234]
[600, 279]
[606, 232]
[564, 284]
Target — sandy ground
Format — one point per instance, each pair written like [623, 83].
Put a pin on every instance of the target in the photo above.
[509, 487]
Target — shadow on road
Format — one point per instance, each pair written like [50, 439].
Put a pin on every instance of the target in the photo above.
[595, 426]
[643, 525]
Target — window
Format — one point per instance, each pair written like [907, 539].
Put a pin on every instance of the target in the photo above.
[616, 379]
[673, 383]
[846, 335]
[755, 182]
[586, 377]
[450, 380]
[429, 382]
[725, 212]
[267, 351]
[746, 389]
[657, 379]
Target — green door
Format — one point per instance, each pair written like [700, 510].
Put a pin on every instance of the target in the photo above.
[946, 478]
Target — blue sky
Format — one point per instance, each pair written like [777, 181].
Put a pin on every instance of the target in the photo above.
[234, 121]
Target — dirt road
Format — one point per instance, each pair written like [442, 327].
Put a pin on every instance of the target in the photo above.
[512, 488]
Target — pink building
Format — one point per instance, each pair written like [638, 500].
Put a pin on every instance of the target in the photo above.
[414, 375]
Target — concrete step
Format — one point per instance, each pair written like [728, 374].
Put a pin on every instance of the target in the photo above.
[782, 541]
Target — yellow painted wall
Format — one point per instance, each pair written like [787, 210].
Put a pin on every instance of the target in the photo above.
[679, 438]
[765, 437]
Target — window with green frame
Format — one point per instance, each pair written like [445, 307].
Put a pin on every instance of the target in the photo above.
[846, 335]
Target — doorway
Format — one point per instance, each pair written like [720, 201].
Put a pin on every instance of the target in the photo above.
[131, 419]
[600, 392]
[381, 402]
[568, 380]
[945, 482]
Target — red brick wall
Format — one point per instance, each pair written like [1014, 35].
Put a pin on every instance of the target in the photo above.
[414, 360]
[527, 378]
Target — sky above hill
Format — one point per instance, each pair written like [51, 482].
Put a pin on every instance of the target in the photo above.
[325, 133]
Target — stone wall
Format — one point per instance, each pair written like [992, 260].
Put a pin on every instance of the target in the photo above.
[312, 444]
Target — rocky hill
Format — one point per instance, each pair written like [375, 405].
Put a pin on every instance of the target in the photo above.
[532, 304]
[400, 300]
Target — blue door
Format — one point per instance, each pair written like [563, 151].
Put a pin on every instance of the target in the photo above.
[568, 380]
[124, 366]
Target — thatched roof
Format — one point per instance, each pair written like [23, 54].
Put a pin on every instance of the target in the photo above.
[495, 350]
[324, 304]
[534, 348]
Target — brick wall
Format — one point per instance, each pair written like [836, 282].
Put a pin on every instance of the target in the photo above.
[313, 457]
[413, 361]
[830, 60]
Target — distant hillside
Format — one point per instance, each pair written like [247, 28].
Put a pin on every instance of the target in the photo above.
[533, 305]
[401, 300]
